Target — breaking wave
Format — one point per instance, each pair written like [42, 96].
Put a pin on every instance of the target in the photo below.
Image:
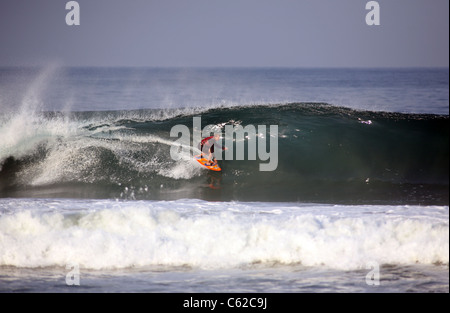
[325, 154]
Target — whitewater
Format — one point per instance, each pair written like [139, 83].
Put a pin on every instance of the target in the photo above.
[87, 182]
[106, 234]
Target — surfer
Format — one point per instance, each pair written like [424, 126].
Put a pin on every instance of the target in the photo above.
[206, 146]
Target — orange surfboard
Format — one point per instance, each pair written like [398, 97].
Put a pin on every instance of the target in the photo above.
[203, 161]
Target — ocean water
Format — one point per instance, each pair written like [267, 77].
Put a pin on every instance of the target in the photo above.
[92, 201]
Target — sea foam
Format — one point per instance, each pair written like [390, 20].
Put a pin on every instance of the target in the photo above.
[98, 234]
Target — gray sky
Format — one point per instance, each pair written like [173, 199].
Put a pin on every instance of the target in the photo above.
[294, 33]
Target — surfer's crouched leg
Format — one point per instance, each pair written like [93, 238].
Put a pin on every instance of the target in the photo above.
[211, 161]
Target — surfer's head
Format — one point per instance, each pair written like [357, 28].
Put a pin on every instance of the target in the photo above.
[216, 136]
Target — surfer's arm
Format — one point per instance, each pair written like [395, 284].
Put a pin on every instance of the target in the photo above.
[218, 145]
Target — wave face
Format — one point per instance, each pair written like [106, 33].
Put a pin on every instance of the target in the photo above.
[325, 154]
